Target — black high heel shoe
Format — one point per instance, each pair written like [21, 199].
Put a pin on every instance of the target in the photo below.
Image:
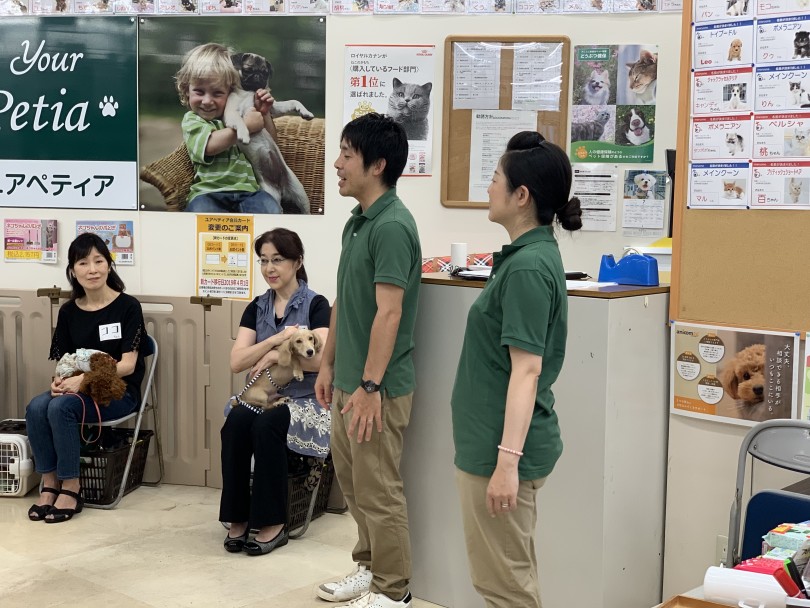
[56, 516]
[234, 544]
[38, 512]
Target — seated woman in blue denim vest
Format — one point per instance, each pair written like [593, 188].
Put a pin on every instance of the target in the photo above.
[98, 316]
[301, 426]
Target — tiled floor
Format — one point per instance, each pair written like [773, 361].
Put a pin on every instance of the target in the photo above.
[161, 547]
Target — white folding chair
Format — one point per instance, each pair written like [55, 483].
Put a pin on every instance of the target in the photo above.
[149, 349]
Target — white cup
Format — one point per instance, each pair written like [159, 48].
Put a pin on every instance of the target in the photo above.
[458, 254]
[743, 589]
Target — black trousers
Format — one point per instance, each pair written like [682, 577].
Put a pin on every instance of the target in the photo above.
[263, 436]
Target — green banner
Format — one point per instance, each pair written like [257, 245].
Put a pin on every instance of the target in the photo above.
[68, 89]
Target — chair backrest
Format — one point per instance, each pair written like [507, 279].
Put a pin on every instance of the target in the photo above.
[765, 511]
[781, 443]
[149, 349]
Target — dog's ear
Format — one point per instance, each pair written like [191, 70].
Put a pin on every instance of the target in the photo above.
[728, 378]
[318, 342]
[285, 353]
[236, 58]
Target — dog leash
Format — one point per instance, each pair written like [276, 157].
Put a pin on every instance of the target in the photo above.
[253, 408]
[84, 415]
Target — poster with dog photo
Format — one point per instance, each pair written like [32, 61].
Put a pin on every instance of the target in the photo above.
[213, 7]
[395, 80]
[118, 235]
[716, 10]
[51, 7]
[739, 376]
[723, 90]
[355, 7]
[780, 185]
[614, 101]
[727, 44]
[722, 137]
[287, 56]
[783, 39]
[644, 203]
[29, 240]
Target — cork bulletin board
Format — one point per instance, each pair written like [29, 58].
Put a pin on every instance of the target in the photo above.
[457, 125]
[739, 267]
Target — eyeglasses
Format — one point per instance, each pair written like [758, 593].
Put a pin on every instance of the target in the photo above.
[276, 261]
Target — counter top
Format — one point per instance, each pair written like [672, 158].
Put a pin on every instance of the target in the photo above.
[608, 292]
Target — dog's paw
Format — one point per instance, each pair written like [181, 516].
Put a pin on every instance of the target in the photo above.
[298, 376]
[108, 106]
[242, 134]
[306, 114]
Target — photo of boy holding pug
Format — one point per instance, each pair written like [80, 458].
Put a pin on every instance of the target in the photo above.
[224, 181]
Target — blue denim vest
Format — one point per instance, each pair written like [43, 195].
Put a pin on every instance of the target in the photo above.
[296, 313]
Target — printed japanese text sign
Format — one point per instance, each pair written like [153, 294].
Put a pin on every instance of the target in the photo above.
[224, 256]
[68, 113]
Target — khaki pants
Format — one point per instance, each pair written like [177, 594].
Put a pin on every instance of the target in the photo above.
[503, 563]
[368, 474]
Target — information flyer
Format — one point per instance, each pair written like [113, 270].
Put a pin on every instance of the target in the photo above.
[117, 235]
[740, 376]
[395, 80]
[224, 268]
[29, 241]
[595, 186]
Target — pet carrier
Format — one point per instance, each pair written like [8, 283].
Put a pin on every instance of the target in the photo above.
[17, 474]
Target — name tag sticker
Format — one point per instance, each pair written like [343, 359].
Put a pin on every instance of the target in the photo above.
[111, 331]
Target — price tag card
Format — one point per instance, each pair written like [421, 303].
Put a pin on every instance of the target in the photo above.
[780, 184]
[723, 44]
[719, 185]
[783, 87]
[783, 39]
[727, 90]
[722, 137]
[781, 135]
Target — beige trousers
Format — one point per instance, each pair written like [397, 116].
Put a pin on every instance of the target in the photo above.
[500, 549]
[368, 474]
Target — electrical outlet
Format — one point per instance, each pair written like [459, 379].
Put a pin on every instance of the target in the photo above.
[720, 549]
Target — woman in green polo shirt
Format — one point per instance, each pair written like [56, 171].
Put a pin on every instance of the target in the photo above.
[505, 429]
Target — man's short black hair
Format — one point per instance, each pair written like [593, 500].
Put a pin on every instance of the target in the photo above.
[376, 137]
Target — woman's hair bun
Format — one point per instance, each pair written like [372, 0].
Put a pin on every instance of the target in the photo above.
[570, 214]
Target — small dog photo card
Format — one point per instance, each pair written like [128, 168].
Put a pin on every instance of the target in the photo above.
[722, 90]
[739, 376]
[722, 137]
[723, 44]
[783, 39]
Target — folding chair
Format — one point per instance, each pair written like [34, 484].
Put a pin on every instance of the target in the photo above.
[149, 349]
[784, 444]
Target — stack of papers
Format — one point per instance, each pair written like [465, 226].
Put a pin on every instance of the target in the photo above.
[475, 272]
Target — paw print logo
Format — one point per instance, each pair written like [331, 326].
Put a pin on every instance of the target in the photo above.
[582, 153]
[108, 106]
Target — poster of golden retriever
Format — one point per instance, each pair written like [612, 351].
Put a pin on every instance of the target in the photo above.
[739, 376]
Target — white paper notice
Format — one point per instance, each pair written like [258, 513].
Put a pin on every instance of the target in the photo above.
[490, 131]
[596, 189]
[476, 75]
[643, 213]
[537, 76]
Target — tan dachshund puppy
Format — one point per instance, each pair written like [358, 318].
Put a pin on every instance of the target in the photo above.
[263, 390]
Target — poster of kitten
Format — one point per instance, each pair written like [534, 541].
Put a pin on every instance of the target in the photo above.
[593, 124]
[797, 191]
[638, 80]
[797, 95]
[409, 105]
[797, 141]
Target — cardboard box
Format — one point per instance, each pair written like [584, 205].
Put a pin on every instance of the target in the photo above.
[681, 601]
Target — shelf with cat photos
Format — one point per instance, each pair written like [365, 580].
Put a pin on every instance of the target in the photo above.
[485, 104]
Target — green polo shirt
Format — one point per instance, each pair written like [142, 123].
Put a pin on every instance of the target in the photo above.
[380, 245]
[524, 304]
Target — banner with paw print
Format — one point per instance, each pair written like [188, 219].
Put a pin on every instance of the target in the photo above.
[68, 113]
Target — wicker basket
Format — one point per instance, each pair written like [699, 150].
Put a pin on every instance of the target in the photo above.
[102, 470]
[299, 493]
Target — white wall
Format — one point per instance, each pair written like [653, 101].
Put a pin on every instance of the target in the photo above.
[165, 249]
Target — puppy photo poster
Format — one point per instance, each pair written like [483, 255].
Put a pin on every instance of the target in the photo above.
[739, 376]
[722, 90]
[645, 202]
[117, 235]
[614, 103]
[395, 80]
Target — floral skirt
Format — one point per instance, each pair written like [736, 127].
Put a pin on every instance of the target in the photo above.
[309, 428]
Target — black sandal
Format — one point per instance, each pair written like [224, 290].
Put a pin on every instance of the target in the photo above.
[234, 544]
[60, 515]
[38, 512]
[257, 547]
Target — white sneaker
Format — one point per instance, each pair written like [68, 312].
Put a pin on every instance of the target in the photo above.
[378, 600]
[350, 587]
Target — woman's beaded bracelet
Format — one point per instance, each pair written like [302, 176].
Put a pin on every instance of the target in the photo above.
[510, 450]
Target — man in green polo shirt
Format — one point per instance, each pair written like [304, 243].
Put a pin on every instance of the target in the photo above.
[367, 371]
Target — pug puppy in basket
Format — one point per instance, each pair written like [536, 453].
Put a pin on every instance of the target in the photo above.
[272, 173]
[263, 390]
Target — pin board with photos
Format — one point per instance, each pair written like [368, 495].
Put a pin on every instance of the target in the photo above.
[742, 191]
[495, 86]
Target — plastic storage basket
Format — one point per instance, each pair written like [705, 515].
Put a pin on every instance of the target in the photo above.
[17, 474]
[102, 468]
[299, 492]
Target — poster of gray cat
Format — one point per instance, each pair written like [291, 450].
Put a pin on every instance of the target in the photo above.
[396, 81]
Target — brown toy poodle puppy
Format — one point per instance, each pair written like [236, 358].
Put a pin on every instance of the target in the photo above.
[744, 377]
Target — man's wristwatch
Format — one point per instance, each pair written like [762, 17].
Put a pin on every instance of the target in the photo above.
[369, 386]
